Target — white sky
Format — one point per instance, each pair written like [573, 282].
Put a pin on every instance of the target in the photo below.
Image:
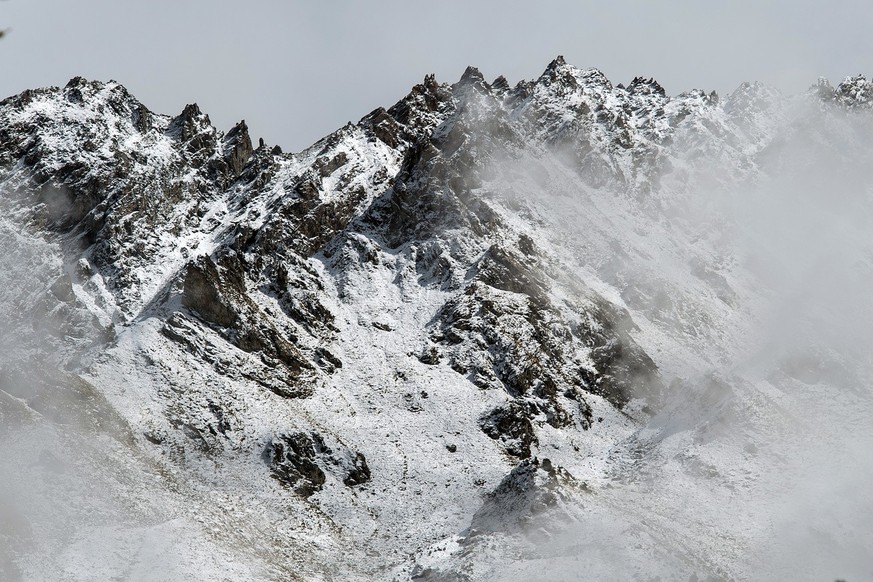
[298, 70]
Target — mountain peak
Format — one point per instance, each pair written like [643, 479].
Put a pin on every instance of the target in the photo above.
[557, 62]
[643, 86]
[471, 75]
[854, 92]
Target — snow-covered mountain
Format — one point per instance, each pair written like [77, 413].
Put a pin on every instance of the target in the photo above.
[558, 331]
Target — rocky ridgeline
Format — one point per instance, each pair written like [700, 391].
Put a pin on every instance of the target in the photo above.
[154, 207]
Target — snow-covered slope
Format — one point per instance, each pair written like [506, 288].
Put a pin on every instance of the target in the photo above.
[490, 332]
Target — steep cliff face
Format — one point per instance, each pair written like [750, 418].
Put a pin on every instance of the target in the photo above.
[449, 320]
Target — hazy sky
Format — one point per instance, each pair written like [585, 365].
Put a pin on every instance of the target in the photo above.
[297, 70]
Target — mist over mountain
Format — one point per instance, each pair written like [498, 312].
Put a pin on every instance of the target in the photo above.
[556, 330]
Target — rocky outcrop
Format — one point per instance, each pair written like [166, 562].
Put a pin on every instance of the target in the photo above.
[510, 425]
[302, 462]
[237, 148]
[214, 297]
[218, 295]
[854, 93]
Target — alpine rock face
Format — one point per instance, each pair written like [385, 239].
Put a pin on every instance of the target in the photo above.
[560, 330]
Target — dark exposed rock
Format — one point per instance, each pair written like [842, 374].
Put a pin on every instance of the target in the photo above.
[207, 428]
[623, 371]
[187, 124]
[205, 293]
[308, 186]
[384, 127]
[420, 111]
[430, 355]
[292, 459]
[328, 361]
[715, 280]
[326, 166]
[643, 86]
[472, 74]
[510, 425]
[302, 461]
[526, 245]
[501, 270]
[237, 148]
[218, 295]
[500, 85]
[73, 89]
[153, 438]
[472, 78]
[357, 470]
